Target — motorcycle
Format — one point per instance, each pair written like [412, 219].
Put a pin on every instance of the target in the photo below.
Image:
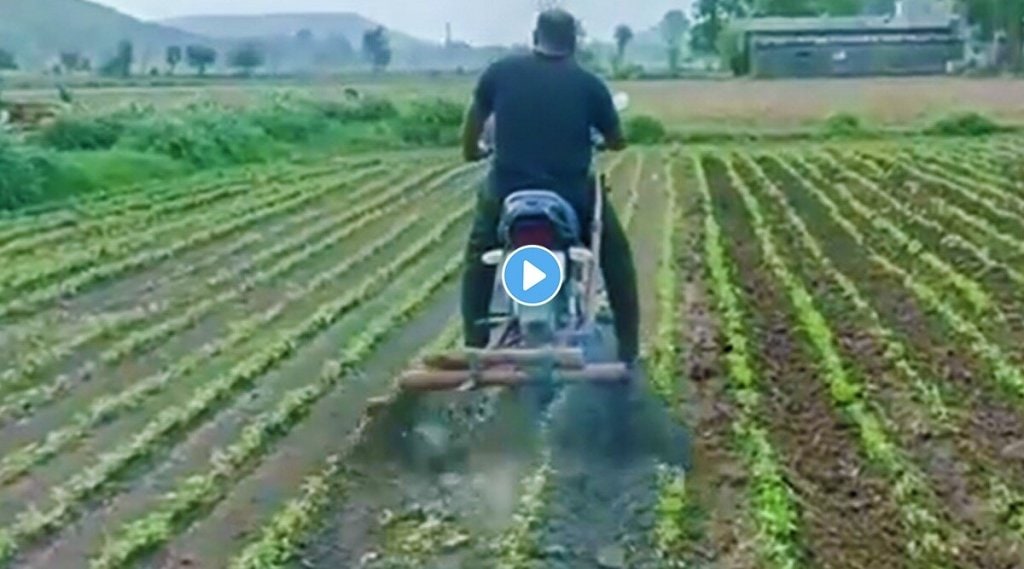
[552, 343]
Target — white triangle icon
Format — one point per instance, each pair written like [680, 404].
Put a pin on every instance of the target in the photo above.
[532, 276]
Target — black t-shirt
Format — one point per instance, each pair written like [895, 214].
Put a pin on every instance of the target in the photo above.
[544, 109]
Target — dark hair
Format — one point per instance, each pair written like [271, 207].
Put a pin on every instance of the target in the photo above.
[556, 33]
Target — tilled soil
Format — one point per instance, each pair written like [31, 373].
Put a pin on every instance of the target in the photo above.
[844, 504]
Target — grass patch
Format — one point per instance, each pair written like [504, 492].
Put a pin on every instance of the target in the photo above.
[965, 124]
[645, 129]
[79, 153]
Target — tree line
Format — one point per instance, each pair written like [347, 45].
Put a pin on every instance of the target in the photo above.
[246, 57]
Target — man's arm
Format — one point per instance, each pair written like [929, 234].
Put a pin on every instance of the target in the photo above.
[606, 119]
[472, 130]
[476, 116]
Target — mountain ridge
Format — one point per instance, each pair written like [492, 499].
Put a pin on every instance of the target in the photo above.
[322, 24]
[38, 30]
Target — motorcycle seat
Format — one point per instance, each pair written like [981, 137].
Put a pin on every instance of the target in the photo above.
[540, 204]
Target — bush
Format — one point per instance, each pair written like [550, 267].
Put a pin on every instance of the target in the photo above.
[369, 109]
[81, 133]
[645, 129]
[19, 180]
[289, 121]
[844, 124]
[964, 124]
[203, 137]
[431, 123]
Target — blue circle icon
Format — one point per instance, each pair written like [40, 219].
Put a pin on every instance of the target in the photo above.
[532, 275]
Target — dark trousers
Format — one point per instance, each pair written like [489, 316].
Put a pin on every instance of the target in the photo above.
[616, 265]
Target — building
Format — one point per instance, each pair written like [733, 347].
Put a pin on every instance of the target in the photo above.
[900, 44]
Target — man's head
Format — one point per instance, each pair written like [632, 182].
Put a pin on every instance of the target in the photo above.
[555, 35]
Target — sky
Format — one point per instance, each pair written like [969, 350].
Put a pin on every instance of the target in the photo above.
[475, 21]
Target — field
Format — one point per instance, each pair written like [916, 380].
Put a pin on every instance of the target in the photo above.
[700, 104]
[188, 369]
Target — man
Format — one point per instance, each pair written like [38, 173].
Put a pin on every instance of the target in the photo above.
[544, 107]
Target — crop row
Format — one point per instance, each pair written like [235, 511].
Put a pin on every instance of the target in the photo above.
[276, 545]
[633, 199]
[672, 523]
[228, 464]
[103, 411]
[389, 197]
[517, 547]
[176, 196]
[929, 543]
[966, 167]
[925, 161]
[110, 407]
[952, 233]
[33, 361]
[81, 231]
[216, 227]
[119, 238]
[774, 507]
[75, 254]
[989, 206]
[1004, 371]
[940, 207]
[972, 292]
[33, 523]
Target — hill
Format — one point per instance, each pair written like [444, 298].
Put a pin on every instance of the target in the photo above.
[38, 30]
[265, 26]
[334, 39]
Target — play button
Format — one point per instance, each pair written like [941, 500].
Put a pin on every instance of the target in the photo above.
[532, 275]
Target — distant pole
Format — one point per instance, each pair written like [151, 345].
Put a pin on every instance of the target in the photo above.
[448, 34]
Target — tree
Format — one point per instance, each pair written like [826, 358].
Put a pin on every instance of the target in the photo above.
[673, 30]
[623, 35]
[335, 50]
[200, 57]
[1015, 42]
[173, 57]
[999, 18]
[248, 57]
[121, 64]
[7, 60]
[377, 48]
[711, 18]
[73, 61]
[304, 36]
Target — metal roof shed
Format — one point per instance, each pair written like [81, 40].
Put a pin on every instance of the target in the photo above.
[849, 46]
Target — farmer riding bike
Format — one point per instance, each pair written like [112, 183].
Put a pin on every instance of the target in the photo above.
[544, 109]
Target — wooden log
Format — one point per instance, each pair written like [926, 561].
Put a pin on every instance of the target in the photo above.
[443, 380]
[564, 358]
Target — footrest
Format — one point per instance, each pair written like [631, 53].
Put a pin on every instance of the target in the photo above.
[444, 380]
[562, 358]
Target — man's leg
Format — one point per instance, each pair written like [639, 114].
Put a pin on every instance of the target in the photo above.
[620, 280]
[478, 279]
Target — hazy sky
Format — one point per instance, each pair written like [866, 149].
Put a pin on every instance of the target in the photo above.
[477, 21]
